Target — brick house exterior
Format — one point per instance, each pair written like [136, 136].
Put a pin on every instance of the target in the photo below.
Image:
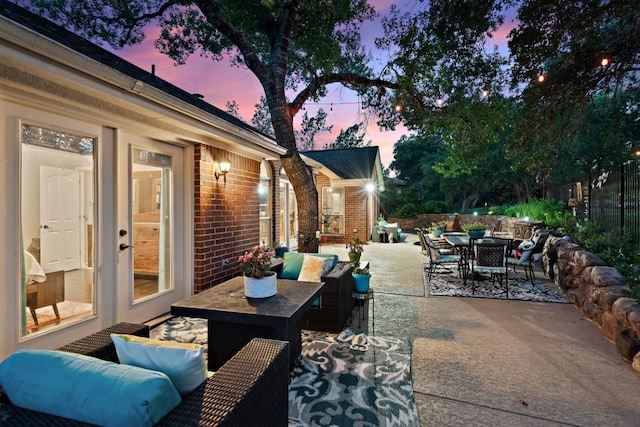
[356, 175]
[56, 82]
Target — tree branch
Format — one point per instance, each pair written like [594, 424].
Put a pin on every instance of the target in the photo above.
[348, 78]
[211, 12]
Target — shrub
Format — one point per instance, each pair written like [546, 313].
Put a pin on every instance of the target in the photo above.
[553, 213]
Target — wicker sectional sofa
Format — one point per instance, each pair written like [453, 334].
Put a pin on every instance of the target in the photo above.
[336, 303]
[251, 389]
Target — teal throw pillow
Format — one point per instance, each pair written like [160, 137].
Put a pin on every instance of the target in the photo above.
[87, 389]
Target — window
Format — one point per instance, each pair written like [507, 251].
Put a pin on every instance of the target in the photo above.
[264, 192]
[57, 224]
[332, 210]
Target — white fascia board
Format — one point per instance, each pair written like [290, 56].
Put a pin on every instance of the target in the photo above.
[125, 90]
[320, 167]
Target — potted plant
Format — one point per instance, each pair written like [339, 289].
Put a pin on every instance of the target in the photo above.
[437, 228]
[279, 249]
[475, 230]
[361, 278]
[355, 247]
[259, 280]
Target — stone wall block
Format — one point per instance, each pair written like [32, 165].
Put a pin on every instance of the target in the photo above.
[607, 276]
[627, 343]
[593, 311]
[623, 307]
[571, 282]
[636, 362]
[605, 297]
[633, 320]
[585, 259]
[609, 326]
[572, 296]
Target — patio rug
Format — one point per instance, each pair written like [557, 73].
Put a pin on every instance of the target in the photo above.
[341, 379]
[520, 288]
[352, 379]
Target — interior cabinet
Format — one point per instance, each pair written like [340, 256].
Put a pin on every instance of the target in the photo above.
[146, 222]
[146, 241]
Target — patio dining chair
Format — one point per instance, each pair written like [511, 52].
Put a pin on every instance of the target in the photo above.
[425, 240]
[528, 257]
[490, 258]
[438, 262]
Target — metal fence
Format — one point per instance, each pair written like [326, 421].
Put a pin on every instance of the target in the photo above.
[611, 199]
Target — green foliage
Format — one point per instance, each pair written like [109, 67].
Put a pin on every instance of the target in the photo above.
[351, 137]
[434, 207]
[408, 210]
[553, 214]
[616, 248]
[579, 112]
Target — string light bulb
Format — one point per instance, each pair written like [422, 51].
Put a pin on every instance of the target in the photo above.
[605, 61]
[397, 108]
[541, 78]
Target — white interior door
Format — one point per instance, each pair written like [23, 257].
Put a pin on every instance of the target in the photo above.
[151, 230]
[59, 218]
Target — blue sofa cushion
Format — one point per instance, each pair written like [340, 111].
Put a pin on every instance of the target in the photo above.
[87, 389]
[292, 264]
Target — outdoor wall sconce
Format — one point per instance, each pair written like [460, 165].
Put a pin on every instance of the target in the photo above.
[222, 168]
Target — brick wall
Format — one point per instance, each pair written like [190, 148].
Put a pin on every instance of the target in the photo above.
[226, 219]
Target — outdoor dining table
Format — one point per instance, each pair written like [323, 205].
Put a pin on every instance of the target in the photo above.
[463, 245]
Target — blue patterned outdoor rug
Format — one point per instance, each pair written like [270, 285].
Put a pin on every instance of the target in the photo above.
[344, 379]
[352, 380]
[520, 288]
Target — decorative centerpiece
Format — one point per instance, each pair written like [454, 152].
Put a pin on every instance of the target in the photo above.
[355, 246]
[475, 230]
[361, 279]
[259, 280]
[437, 228]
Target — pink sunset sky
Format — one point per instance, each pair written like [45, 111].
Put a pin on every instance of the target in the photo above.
[219, 83]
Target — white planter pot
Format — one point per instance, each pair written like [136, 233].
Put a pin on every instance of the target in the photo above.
[260, 288]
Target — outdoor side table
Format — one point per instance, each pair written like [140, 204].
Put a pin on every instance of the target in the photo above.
[233, 319]
[361, 298]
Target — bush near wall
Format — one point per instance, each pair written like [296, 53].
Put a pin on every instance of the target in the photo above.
[597, 292]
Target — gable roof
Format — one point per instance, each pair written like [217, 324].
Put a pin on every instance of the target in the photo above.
[350, 163]
[84, 47]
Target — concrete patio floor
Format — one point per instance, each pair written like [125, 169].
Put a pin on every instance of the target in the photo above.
[492, 362]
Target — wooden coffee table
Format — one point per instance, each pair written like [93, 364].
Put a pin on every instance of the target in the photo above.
[233, 319]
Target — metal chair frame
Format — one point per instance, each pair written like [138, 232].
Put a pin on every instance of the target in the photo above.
[491, 258]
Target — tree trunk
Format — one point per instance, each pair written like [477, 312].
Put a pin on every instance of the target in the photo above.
[469, 201]
[299, 174]
[304, 186]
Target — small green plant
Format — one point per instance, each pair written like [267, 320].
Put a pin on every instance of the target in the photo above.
[474, 226]
[362, 271]
[355, 245]
[438, 225]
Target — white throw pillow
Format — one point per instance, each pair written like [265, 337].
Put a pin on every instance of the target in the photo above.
[183, 363]
[314, 267]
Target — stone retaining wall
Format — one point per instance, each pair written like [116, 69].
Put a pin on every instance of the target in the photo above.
[506, 224]
[596, 290]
